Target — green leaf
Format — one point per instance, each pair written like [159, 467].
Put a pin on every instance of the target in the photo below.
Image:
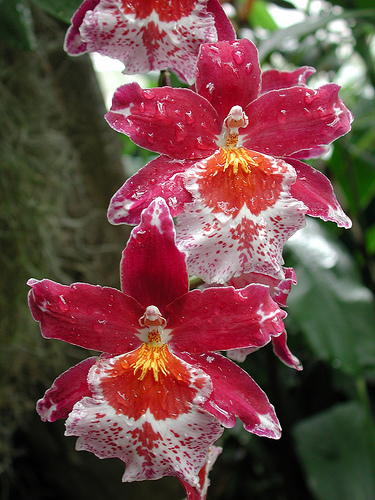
[334, 310]
[61, 9]
[16, 25]
[337, 454]
[259, 16]
[309, 26]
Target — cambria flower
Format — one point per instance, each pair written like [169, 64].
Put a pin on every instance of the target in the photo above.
[159, 395]
[148, 35]
[230, 166]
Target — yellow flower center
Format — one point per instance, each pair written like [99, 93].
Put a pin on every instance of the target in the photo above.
[237, 158]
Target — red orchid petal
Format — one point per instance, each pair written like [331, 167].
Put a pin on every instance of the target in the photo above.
[158, 428]
[228, 74]
[147, 36]
[274, 79]
[283, 122]
[153, 270]
[70, 387]
[235, 394]
[224, 27]
[199, 491]
[217, 319]
[176, 122]
[161, 177]
[278, 289]
[315, 190]
[283, 352]
[102, 319]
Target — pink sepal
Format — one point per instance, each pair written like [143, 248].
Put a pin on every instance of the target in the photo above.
[224, 318]
[295, 119]
[228, 73]
[316, 191]
[160, 177]
[274, 79]
[283, 352]
[70, 387]
[176, 122]
[235, 394]
[153, 270]
[102, 319]
[224, 28]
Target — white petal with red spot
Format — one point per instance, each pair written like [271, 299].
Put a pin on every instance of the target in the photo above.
[238, 222]
[131, 419]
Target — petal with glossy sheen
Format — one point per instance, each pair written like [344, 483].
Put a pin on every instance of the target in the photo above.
[228, 74]
[160, 177]
[153, 270]
[235, 394]
[274, 79]
[283, 122]
[146, 36]
[278, 289]
[102, 319]
[283, 352]
[238, 222]
[131, 419]
[176, 122]
[70, 387]
[315, 190]
[199, 492]
[223, 318]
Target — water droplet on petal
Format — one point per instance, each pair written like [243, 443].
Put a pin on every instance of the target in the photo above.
[64, 307]
[142, 107]
[149, 94]
[238, 56]
[180, 132]
[189, 117]
[248, 68]
[151, 138]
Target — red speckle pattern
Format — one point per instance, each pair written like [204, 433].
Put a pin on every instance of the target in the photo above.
[151, 447]
[166, 10]
[238, 223]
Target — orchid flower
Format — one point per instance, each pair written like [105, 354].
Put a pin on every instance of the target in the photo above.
[148, 35]
[158, 396]
[229, 167]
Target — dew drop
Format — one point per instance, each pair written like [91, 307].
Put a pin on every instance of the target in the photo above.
[142, 107]
[189, 117]
[149, 94]
[238, 57]
[180, 132]
[151, 138]
[64, 307]
[248, 68]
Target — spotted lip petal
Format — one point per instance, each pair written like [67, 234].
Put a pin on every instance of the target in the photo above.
[152, 444]
[150, 35]
[228, 230]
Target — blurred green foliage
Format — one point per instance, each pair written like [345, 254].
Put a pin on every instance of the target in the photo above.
[327, 451]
